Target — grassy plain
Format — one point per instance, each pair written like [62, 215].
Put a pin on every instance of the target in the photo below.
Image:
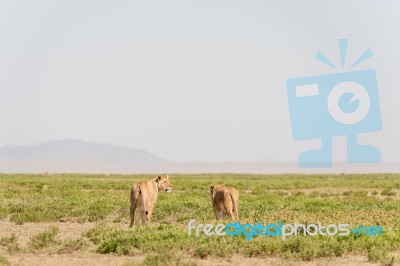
[99, 206]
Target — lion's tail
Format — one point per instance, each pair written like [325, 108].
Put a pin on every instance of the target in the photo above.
[143, 194]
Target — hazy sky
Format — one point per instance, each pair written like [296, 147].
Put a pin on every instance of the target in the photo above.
[185, 80]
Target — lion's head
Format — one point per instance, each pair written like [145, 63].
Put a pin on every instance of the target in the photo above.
[163, 183]
[214, 189]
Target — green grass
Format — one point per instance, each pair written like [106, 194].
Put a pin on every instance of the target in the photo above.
[4, 261]
[388, 192]
[44, 239]
[354, 199]
[11, 243]
[72, 245]
[167, 259]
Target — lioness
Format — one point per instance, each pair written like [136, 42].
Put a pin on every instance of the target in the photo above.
[225, 201]
[144, 197]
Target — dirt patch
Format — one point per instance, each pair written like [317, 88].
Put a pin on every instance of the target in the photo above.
[78, 259]
[246, 261]
[75, 259]
[67, 230]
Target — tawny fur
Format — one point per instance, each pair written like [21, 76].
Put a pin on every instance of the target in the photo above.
[225, 201]
[144, 197]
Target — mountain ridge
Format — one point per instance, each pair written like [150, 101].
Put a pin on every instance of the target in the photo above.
[74, 150]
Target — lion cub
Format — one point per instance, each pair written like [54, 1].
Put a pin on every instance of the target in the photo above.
[225, 201]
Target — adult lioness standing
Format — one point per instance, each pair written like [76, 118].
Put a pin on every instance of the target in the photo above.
[225, 201]
[144, 197]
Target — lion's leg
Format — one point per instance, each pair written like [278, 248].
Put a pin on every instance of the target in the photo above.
[142, 216]
[132, 213]
[221, 215]
[134, 201]
[235, 210]
[149, 215]
[216, 212]
[221, 210]
[228, 209]
[230, 215]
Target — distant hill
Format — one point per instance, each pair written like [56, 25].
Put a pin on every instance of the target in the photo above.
[75, 151]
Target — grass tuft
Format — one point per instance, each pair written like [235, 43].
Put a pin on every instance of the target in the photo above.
[11, 243]
[44, 239]
[4, 261]
[166, 259]
[72, 245]
[388, 192]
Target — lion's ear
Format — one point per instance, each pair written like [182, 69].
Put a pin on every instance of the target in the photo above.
[167, 177]
[159, 177]
[211, 187]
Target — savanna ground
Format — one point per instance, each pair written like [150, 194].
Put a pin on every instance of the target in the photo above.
[83, 220]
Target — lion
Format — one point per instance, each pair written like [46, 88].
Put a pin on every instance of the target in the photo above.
[144, 197]
[225, 201]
